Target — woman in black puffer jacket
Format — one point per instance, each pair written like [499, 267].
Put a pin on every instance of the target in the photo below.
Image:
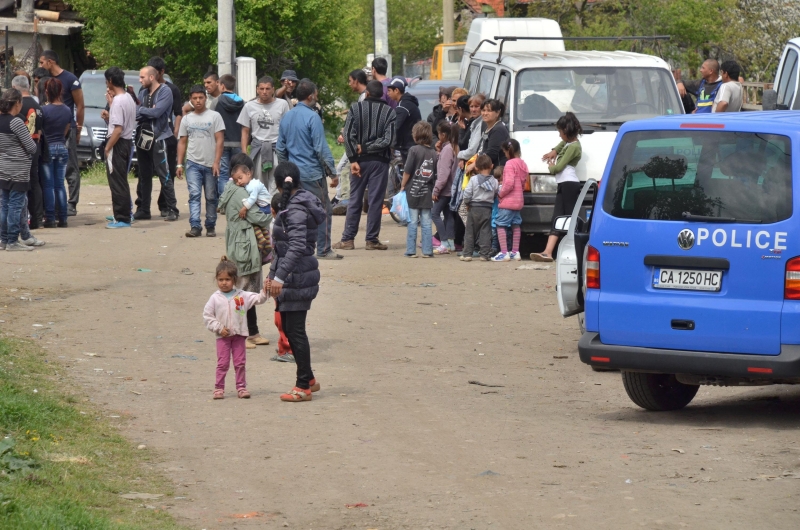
[294, 274]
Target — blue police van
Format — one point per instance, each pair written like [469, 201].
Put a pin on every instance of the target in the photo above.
[687, 269]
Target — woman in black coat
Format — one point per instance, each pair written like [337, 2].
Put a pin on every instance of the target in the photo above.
[294, 273]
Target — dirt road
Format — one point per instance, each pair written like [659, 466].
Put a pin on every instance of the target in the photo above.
[397, 425]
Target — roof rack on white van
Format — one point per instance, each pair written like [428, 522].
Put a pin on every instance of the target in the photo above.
[503, 39]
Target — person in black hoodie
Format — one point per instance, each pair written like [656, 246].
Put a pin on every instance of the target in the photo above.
[229, 106]
[294, 274]
[407, 112]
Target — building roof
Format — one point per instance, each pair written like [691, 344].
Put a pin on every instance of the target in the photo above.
[477, 6]
[44, 27]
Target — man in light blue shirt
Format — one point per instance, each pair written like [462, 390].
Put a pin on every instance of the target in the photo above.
[301, 140]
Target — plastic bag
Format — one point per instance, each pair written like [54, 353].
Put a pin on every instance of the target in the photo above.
[400, 207]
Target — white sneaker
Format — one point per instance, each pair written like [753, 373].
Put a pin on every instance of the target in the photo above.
[15, 247]
[515, 256]
[501, 257]
[32, 242]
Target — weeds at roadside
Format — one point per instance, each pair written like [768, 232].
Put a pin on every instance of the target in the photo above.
[61, 464]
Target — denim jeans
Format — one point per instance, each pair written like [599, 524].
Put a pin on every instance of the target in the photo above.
[11, 204]
[319, 188]
[201, 180]
[54, 194]
[427, 232]
[225, 168]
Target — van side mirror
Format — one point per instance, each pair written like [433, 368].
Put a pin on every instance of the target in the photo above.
[562, 223]
[769, 100]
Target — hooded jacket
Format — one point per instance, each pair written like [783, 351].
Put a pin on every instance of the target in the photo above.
[240, 238]
[231, 313]
[408, 115]
[481, 191]
[294, 238]
[229, 106]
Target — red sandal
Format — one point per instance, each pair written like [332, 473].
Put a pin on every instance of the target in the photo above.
[243, 393]
[219, 394]
[313, 385]
[296, 395]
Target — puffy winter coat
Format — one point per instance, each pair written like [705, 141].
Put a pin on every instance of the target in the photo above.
[294, 239]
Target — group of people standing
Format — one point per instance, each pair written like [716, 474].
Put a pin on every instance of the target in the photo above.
[41, 121]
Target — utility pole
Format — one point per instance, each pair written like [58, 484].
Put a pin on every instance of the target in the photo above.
[25, 12]
[381, 31]
[226, 38]
[448, 18]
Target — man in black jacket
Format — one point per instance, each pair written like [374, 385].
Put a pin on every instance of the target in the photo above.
[229, 106]
[407, 111]
[174, 122]
[368, 137]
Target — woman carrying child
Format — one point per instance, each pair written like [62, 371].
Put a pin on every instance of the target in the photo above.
[562, 161]
[294, 273]
[515, 174]
[240, 241]
[224, 315]
[419, 174]
[446, 167]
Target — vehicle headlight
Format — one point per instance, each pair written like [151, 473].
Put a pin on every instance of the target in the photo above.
[543, 184]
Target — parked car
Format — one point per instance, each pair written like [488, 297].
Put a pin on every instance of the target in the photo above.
[95, 128]
[686, 268]
[427, 92]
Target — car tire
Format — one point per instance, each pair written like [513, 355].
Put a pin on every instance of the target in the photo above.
[658, 392]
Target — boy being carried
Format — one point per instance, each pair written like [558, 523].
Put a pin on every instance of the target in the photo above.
[258, 197]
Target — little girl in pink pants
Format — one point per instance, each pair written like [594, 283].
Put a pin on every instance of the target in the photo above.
[225, 314]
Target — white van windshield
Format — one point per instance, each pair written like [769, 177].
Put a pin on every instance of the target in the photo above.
[596, 95]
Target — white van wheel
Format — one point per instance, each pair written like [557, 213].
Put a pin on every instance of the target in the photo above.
[658, 391]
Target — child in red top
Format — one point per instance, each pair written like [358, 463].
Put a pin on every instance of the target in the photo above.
[515, 174]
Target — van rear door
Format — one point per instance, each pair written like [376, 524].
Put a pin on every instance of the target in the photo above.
[693, 228]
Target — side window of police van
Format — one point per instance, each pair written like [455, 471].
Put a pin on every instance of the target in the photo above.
[787, 83]
[485, 81]
[501, 93]
[472, 78]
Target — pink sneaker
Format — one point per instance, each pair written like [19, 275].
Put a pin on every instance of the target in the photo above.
[436, 242]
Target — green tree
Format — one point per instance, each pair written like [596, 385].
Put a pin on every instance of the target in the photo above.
[318, 38]
[415, 27]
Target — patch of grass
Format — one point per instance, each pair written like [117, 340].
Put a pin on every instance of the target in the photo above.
[96, 174]
[76, 464]
[336, 148]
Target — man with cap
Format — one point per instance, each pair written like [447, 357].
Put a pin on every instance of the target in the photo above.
[289, 82]
[445, 110]
[368, 138]
[407, 111]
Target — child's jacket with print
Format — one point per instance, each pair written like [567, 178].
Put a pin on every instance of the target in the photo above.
[221, 312]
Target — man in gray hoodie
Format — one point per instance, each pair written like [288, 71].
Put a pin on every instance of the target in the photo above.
[153, 113]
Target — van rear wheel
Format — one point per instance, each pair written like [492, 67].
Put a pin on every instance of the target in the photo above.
[658, 391]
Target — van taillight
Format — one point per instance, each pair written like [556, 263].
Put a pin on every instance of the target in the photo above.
[791, 289]
[593, 269]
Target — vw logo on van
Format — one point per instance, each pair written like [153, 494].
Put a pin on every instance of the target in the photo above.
[686, 239]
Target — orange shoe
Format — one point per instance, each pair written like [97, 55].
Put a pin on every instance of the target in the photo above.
[313, 385]
[296, 394]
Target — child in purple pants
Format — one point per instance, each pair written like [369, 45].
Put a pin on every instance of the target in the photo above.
[226, 315]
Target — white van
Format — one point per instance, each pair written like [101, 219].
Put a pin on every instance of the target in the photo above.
[603, 89]
[785, 93]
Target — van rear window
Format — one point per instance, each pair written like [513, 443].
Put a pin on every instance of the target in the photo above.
[663, 175]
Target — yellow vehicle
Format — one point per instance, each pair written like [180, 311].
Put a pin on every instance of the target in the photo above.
[447, 60]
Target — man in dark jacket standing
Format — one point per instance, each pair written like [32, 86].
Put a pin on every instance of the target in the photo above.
[368, 137]
[229, 106]
[444, 110]
[407, 111]
[154, 111]
[174, 123]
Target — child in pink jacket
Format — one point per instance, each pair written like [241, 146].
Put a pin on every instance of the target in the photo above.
[515, 174]
[226, 315]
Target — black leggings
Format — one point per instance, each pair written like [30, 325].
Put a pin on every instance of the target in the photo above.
[566, 197]
[294, 326]
[252, 321]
